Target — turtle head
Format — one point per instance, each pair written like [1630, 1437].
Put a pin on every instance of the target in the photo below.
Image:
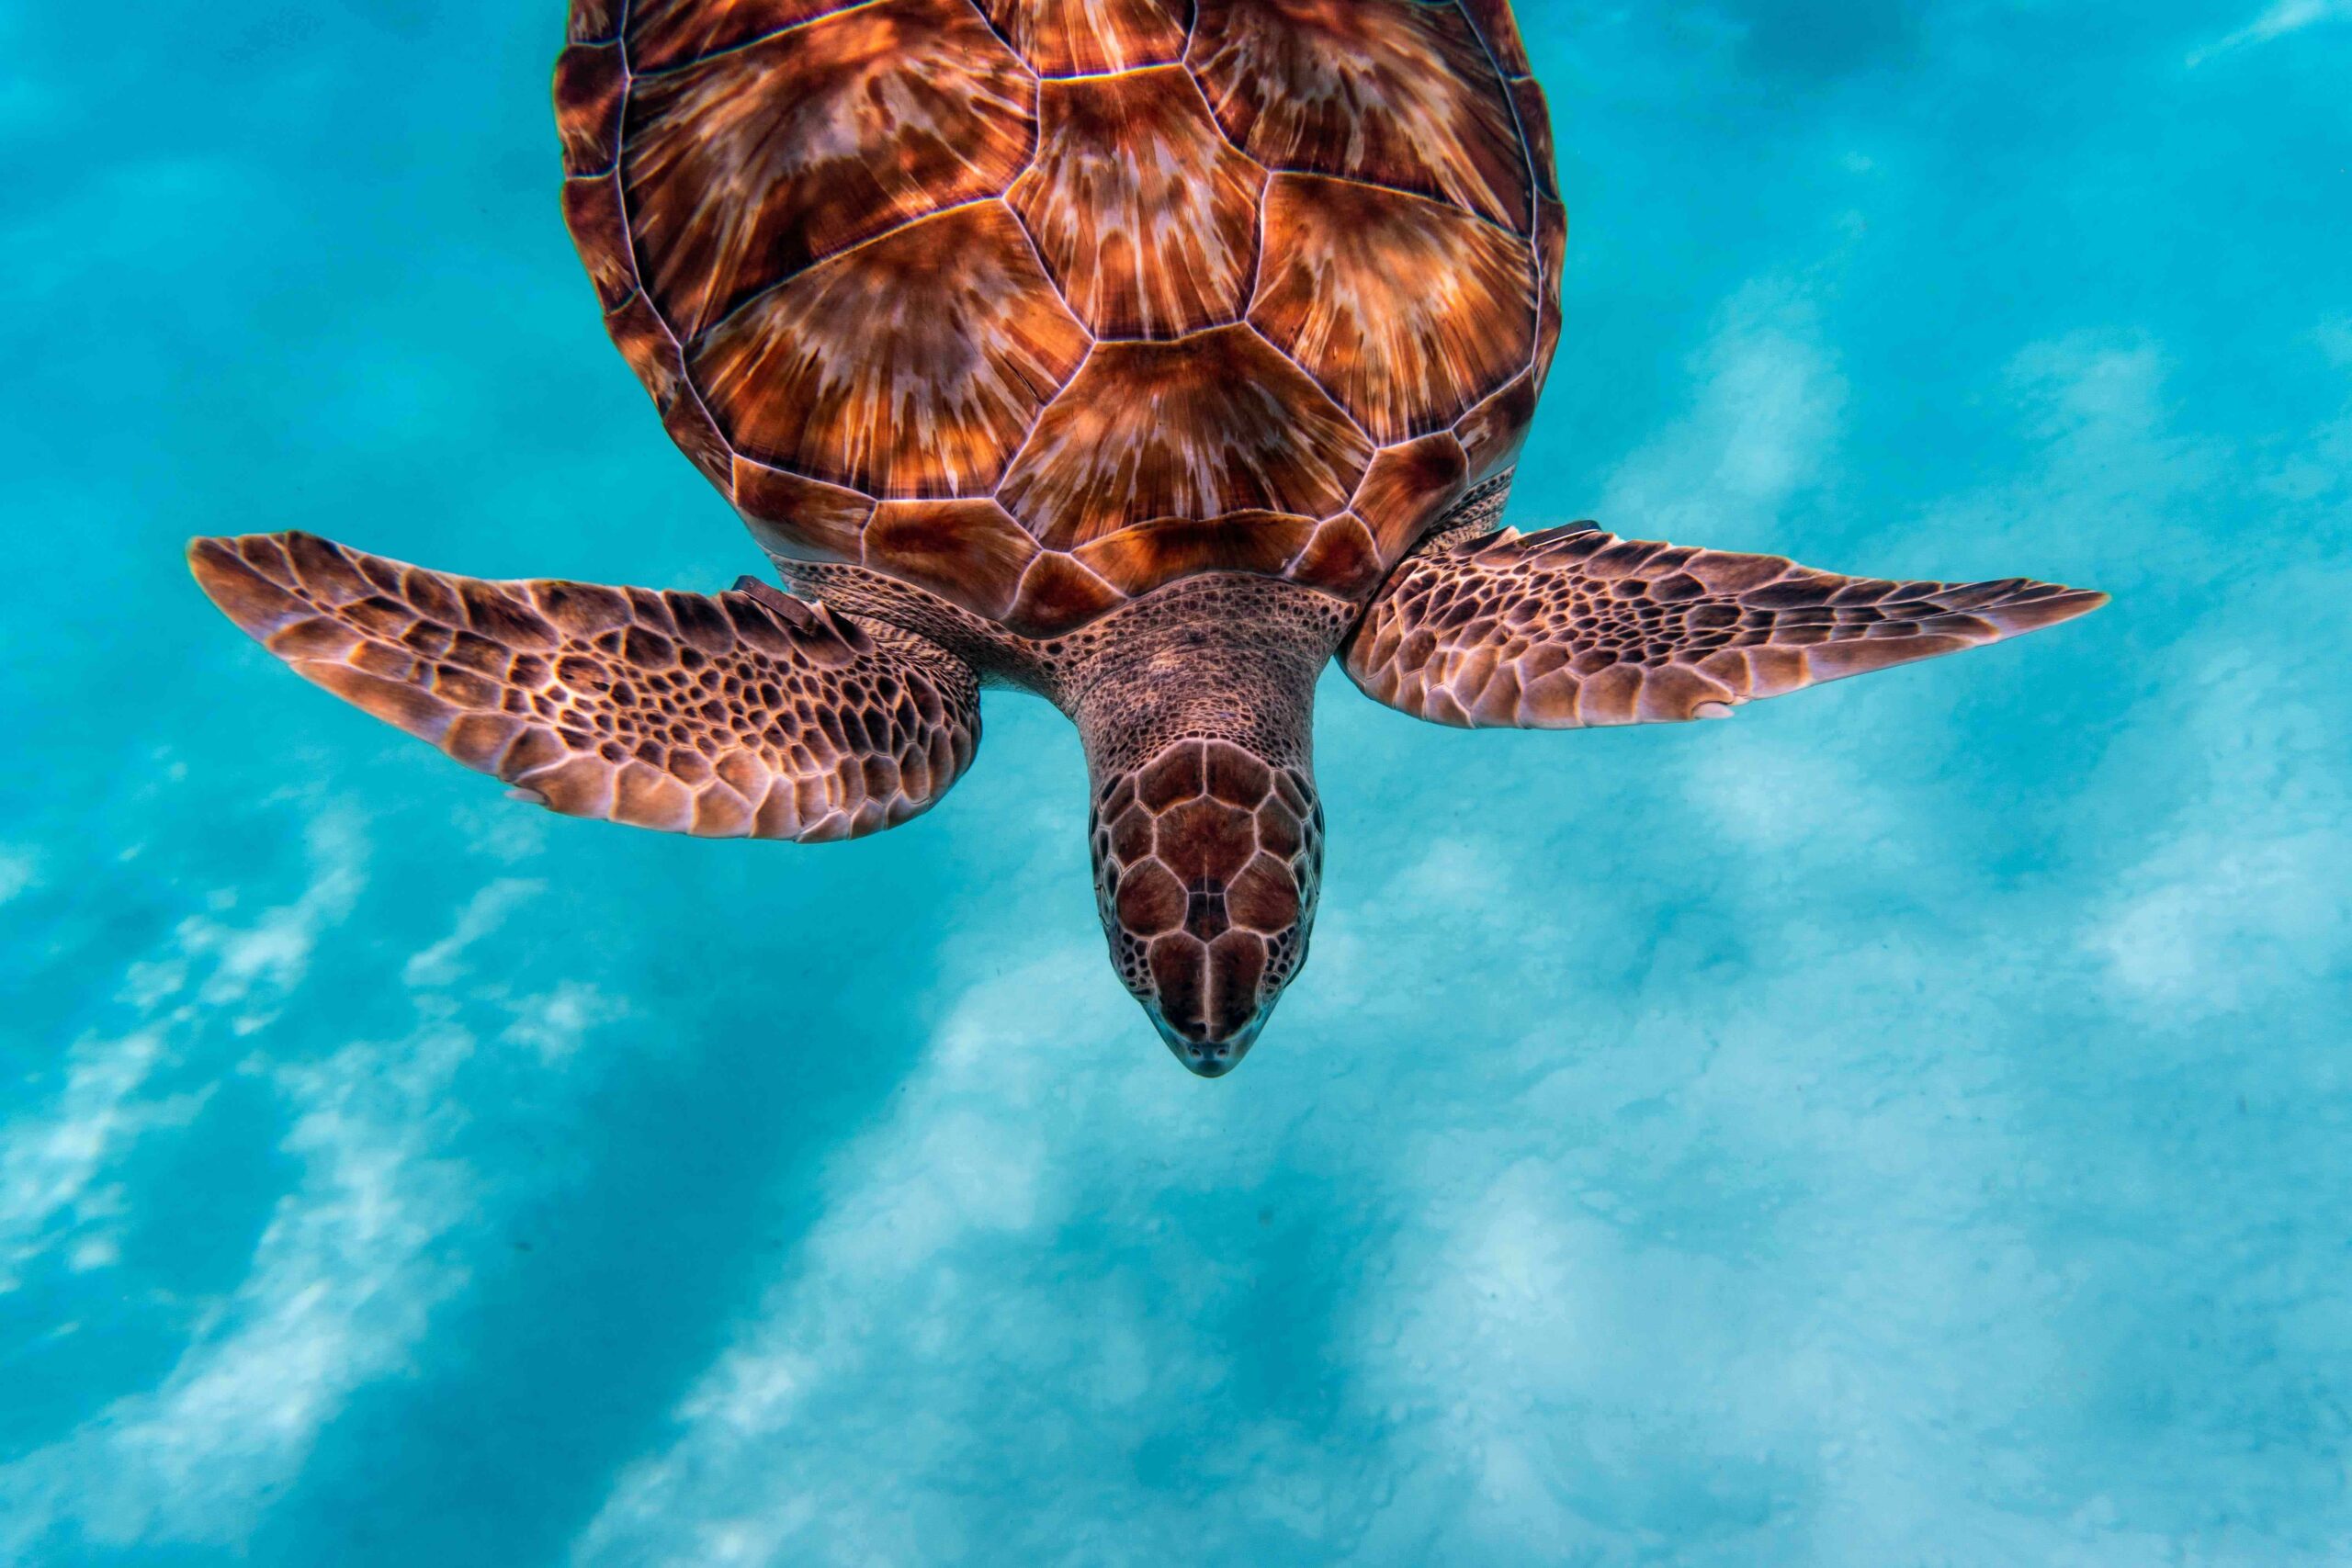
[1207, 857]
[1195, 707]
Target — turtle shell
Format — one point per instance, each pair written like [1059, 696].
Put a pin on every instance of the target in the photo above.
[1041, 304]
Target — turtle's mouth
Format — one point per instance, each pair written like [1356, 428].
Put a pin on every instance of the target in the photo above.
[1211, 1058]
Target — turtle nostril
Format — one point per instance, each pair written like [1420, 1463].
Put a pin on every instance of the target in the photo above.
[1210, 1063]
[1215, 1055]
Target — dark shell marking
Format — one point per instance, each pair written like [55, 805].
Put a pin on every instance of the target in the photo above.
[1118, 265]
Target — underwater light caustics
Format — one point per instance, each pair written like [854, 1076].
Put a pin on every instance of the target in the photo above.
[1142, 357]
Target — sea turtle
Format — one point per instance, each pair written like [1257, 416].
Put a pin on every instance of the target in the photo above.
[1138, 354]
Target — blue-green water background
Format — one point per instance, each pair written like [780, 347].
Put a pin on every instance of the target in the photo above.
[1904, 1125]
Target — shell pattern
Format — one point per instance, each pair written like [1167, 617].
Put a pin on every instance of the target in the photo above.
[1041, 304]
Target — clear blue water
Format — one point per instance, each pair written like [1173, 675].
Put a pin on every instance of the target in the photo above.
[1907, 1125]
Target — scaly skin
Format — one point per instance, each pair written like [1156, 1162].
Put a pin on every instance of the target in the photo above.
[1195, 705]
[747, 715]
[1572, 628]
[756, 714]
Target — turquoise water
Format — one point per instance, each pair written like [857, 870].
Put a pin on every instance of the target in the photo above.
[1907, 1125]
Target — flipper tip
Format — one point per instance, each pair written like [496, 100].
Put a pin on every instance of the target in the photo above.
[2033, 611]
[257, 606]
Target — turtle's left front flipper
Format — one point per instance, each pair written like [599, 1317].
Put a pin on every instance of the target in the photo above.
[747, 714]
[1573, 627]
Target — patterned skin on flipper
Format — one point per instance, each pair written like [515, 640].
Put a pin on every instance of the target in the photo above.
[747, 714]
[1572, 627]
[741, 168]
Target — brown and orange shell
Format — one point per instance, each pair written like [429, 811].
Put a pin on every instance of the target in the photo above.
[1041, 304]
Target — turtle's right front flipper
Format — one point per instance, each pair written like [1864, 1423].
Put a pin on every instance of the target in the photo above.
[747, 714]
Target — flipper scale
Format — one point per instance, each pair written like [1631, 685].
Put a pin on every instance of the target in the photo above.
[1570, 627]
[746, 714]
